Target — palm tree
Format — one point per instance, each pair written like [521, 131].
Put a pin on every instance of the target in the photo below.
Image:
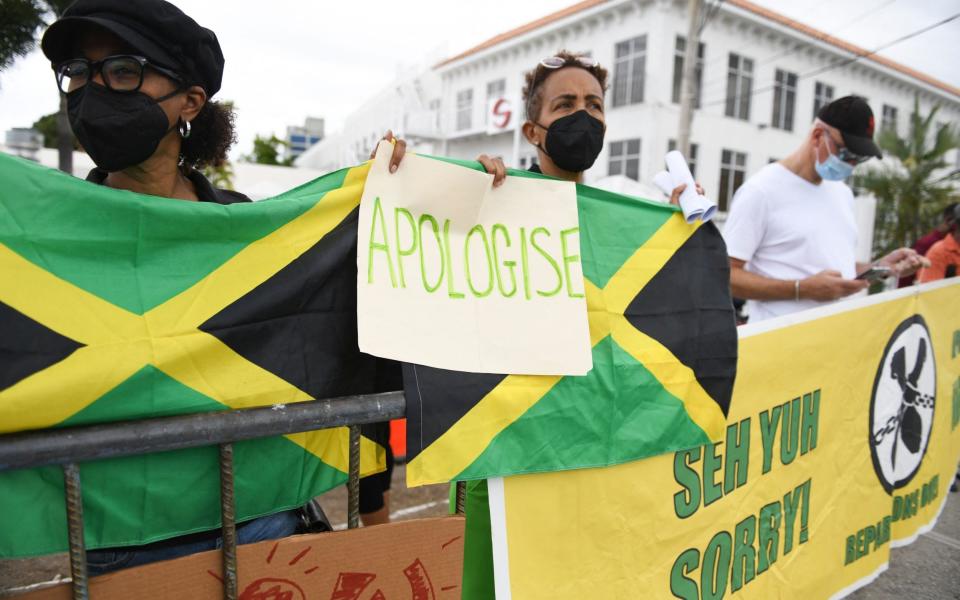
[19, 21]
[914, 187]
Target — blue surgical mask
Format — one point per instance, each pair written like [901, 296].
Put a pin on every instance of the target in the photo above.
[833, 169]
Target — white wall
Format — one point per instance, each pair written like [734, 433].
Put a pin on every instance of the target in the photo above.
[771, 46]
[596, 30]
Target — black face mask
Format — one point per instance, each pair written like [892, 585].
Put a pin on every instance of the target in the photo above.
[574, 141]
[118, 130]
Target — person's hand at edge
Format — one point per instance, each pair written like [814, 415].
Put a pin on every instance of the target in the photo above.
[495, 167]
[904, 261]
[675, 194]
[399, 149]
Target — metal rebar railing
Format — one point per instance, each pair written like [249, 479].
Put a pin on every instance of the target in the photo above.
[69, 446]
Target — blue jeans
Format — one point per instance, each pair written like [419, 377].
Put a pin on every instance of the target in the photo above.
[269, 527]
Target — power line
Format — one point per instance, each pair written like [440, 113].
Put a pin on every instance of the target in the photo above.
[801, 45]
[711, 12]
[719, 59]
[846, 61]
[883, 46]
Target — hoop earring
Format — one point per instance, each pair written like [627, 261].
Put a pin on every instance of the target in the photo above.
[184, 128]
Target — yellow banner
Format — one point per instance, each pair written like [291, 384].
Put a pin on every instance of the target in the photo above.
[842, 440]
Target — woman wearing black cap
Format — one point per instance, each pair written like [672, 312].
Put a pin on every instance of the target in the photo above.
[138, 76]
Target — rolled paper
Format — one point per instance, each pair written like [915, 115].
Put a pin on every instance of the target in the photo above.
[664, 181]
[693, 205]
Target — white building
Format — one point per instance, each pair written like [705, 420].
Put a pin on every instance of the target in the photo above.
[301, 137]
[763, 78]
[409, 106]
[24, 142]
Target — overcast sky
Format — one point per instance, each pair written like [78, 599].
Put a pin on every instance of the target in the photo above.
[287, 59]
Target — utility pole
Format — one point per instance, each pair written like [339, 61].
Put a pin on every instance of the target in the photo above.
[65, 136]
[688, 83]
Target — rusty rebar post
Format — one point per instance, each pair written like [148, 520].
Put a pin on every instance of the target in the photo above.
[78, 550]
[353, 480]
[461, 497]
[228, 518]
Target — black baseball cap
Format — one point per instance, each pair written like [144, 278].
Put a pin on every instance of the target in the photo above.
[853, 117]
[158, 29]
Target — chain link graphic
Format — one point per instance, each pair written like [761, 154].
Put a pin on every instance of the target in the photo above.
[921, 400]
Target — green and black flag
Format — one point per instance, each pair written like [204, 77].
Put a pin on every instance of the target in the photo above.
[119, 306]
[664, 360]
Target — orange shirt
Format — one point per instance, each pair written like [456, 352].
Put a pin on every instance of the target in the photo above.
[944, 253]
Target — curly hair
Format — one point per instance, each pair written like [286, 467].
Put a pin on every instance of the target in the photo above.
[535, 78]
[212, 133]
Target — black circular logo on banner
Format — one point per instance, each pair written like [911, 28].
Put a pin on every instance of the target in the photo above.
[901, 409]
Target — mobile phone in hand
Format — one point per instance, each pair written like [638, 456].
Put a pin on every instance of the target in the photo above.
[875, 273]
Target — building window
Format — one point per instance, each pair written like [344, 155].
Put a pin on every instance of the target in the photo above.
[434, 108]
[739, 86]
[464, 109]
[691, 160]
[784, 99]
[628, 71]
[679, 54]
[822, 96]
[733, 170]
[889, 121]
[495, 89]
[625, 159]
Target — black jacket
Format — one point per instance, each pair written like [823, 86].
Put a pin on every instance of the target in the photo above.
[205, 190]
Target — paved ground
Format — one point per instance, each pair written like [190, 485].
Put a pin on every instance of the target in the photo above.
[928, 569]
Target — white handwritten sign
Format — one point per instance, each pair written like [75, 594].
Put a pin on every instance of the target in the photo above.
[456, 274]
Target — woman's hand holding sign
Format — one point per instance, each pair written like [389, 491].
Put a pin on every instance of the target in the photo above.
[399, 149]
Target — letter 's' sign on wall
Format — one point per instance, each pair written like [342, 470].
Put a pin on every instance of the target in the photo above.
[456, 274]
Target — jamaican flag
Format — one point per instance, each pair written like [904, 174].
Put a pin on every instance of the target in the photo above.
[664, 359]
[118, 306]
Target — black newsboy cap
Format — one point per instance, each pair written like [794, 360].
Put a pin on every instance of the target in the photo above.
[158, 29]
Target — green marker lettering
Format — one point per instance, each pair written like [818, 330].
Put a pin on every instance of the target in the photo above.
[524, 263]
[449, 262]
[381, 246]
[486, 252]
[568, 259]
[401, 252]
[423, 267]
[509, 264]
[549, 259]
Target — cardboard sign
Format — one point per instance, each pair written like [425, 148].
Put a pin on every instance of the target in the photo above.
[456, 274]
[419, 559]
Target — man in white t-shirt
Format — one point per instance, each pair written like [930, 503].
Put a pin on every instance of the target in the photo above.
[791, 234]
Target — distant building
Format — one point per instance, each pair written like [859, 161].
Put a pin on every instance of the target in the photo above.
[24, 142]
[302, 137]
[409, 106]
[762, 77]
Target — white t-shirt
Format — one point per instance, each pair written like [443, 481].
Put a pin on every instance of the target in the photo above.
[786, 227]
